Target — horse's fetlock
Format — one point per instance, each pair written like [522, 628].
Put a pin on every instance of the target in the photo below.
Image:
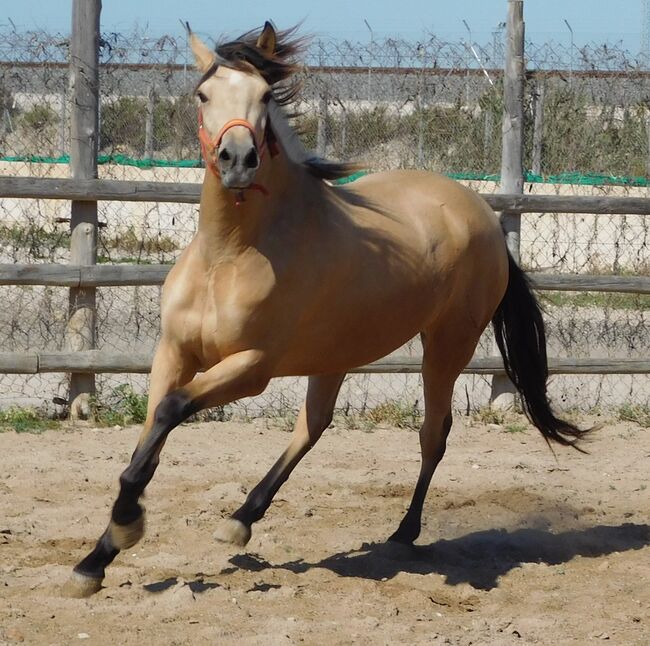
[256, 504]
[128, 481]
[124, 536]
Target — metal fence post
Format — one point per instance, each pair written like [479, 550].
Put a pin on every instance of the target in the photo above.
[63, 127]
[647, 131]
[149, 124]
[488, 130]
[84, 82]
[538, 128]
[321, 133]
[512, 165]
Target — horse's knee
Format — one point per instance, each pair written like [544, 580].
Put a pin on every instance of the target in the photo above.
[172, 410]
[126, 509]
[320, 421]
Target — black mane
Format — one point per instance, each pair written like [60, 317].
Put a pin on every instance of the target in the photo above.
[275, 67]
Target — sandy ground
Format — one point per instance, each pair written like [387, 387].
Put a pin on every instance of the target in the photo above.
[518, 547]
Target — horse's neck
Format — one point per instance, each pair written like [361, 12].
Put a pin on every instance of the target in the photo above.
[225, 220]
[230, 222]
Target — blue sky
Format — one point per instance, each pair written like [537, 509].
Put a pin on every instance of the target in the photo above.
[591, 20]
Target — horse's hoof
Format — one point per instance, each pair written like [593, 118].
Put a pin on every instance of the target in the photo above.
[80, 586]
[233, 531]
[125, 536]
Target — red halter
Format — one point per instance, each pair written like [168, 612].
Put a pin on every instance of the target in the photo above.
[209, 146]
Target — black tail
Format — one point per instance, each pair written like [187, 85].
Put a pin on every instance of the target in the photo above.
[520, 335]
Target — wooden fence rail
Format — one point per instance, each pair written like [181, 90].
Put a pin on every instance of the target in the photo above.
[92, 276]
[105, 361]
[190, 193]
[134, 275]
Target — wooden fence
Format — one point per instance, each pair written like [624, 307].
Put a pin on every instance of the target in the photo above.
[83, 276]
[94, 276]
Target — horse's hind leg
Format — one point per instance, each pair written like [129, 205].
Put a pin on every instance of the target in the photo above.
[444, 358]
[315, 416]
[170, 370]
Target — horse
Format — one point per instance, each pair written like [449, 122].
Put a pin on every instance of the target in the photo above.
[290, 274]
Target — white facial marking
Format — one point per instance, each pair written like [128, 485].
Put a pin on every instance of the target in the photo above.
[236, 79]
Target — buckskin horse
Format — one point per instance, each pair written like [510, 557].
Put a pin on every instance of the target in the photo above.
[291, 275]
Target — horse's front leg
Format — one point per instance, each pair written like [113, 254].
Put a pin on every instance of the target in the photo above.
[315, 416]
[239, 375]
[171, 369]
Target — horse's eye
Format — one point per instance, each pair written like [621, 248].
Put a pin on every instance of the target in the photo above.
[202, 97]
[267, 97]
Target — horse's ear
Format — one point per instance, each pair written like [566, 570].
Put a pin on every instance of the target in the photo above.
[204, 57]
[267, 39]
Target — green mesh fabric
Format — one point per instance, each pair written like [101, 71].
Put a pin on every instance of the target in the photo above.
[584, 179]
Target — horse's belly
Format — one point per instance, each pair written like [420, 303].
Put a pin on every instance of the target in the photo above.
[347, 336]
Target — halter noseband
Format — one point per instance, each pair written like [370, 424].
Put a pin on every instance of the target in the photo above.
[209, 146]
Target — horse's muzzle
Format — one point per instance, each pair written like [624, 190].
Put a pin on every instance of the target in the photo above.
[237, 165]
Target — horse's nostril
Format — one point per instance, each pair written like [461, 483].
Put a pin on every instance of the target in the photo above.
[251, 159]
[224, 155]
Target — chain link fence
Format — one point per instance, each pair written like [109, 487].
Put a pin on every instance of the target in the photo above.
[391, 104]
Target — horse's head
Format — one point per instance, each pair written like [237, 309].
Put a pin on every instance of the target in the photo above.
[233, 99]
[245, 86]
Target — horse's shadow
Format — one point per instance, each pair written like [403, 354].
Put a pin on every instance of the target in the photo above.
[479, 558]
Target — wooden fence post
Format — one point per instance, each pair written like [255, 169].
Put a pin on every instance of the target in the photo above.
[512, 164]
[84, 81]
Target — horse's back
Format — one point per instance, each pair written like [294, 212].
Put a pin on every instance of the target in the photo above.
[454, 221]
[460, 235]
[428, 198]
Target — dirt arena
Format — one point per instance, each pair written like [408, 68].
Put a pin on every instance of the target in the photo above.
[518, 547]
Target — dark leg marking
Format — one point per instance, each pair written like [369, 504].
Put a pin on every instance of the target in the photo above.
[94, 564]
[409, 528]
[171, 411]
[261, 496]
[314, 418]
